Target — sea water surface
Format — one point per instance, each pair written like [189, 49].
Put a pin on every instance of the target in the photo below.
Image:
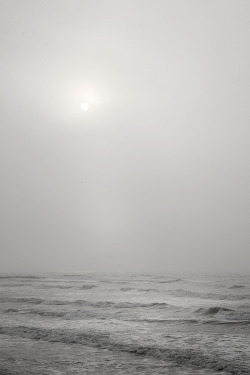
[102, 323]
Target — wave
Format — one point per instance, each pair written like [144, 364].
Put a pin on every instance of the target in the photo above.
[169, 281]
[236, 286]
[212, 310]
[194, 321]
[227, 322]
[51, 314]
[127, 289]
[98, 304]
[147, 290]
[11, 310]
[124, 305]
[74, 275]
[82, 315]
[50, 286]
[88, 286]
[213, 296]
[167, 321]
[22, 277]
[181, 356]
[13, 285]
[33, 301]
[54, 314]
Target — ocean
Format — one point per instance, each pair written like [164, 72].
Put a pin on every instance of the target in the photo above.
[103, 323]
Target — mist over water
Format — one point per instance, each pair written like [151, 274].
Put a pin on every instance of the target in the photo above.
[154, 176]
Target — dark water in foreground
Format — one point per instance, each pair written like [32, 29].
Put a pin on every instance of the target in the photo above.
[124, 324]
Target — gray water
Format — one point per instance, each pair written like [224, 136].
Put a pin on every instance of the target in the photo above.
[100, 323]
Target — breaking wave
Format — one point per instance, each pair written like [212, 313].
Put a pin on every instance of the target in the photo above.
[181, 356]
[224, 313]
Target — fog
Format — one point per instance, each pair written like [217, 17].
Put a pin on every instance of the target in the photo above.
[155, 176]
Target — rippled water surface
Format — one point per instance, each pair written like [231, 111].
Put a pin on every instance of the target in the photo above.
[124, 324]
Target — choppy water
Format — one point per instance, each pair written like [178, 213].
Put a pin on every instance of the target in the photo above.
[124, 324]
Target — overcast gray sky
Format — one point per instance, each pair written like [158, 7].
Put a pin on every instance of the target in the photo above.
[155, 176]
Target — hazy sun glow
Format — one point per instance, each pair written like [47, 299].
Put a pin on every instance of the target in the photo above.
[85, 106]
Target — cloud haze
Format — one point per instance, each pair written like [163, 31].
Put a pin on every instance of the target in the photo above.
[155, 175]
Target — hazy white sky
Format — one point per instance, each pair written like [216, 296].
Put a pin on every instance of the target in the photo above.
[155, 176]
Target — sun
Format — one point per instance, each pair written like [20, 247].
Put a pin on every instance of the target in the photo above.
[85, 106]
